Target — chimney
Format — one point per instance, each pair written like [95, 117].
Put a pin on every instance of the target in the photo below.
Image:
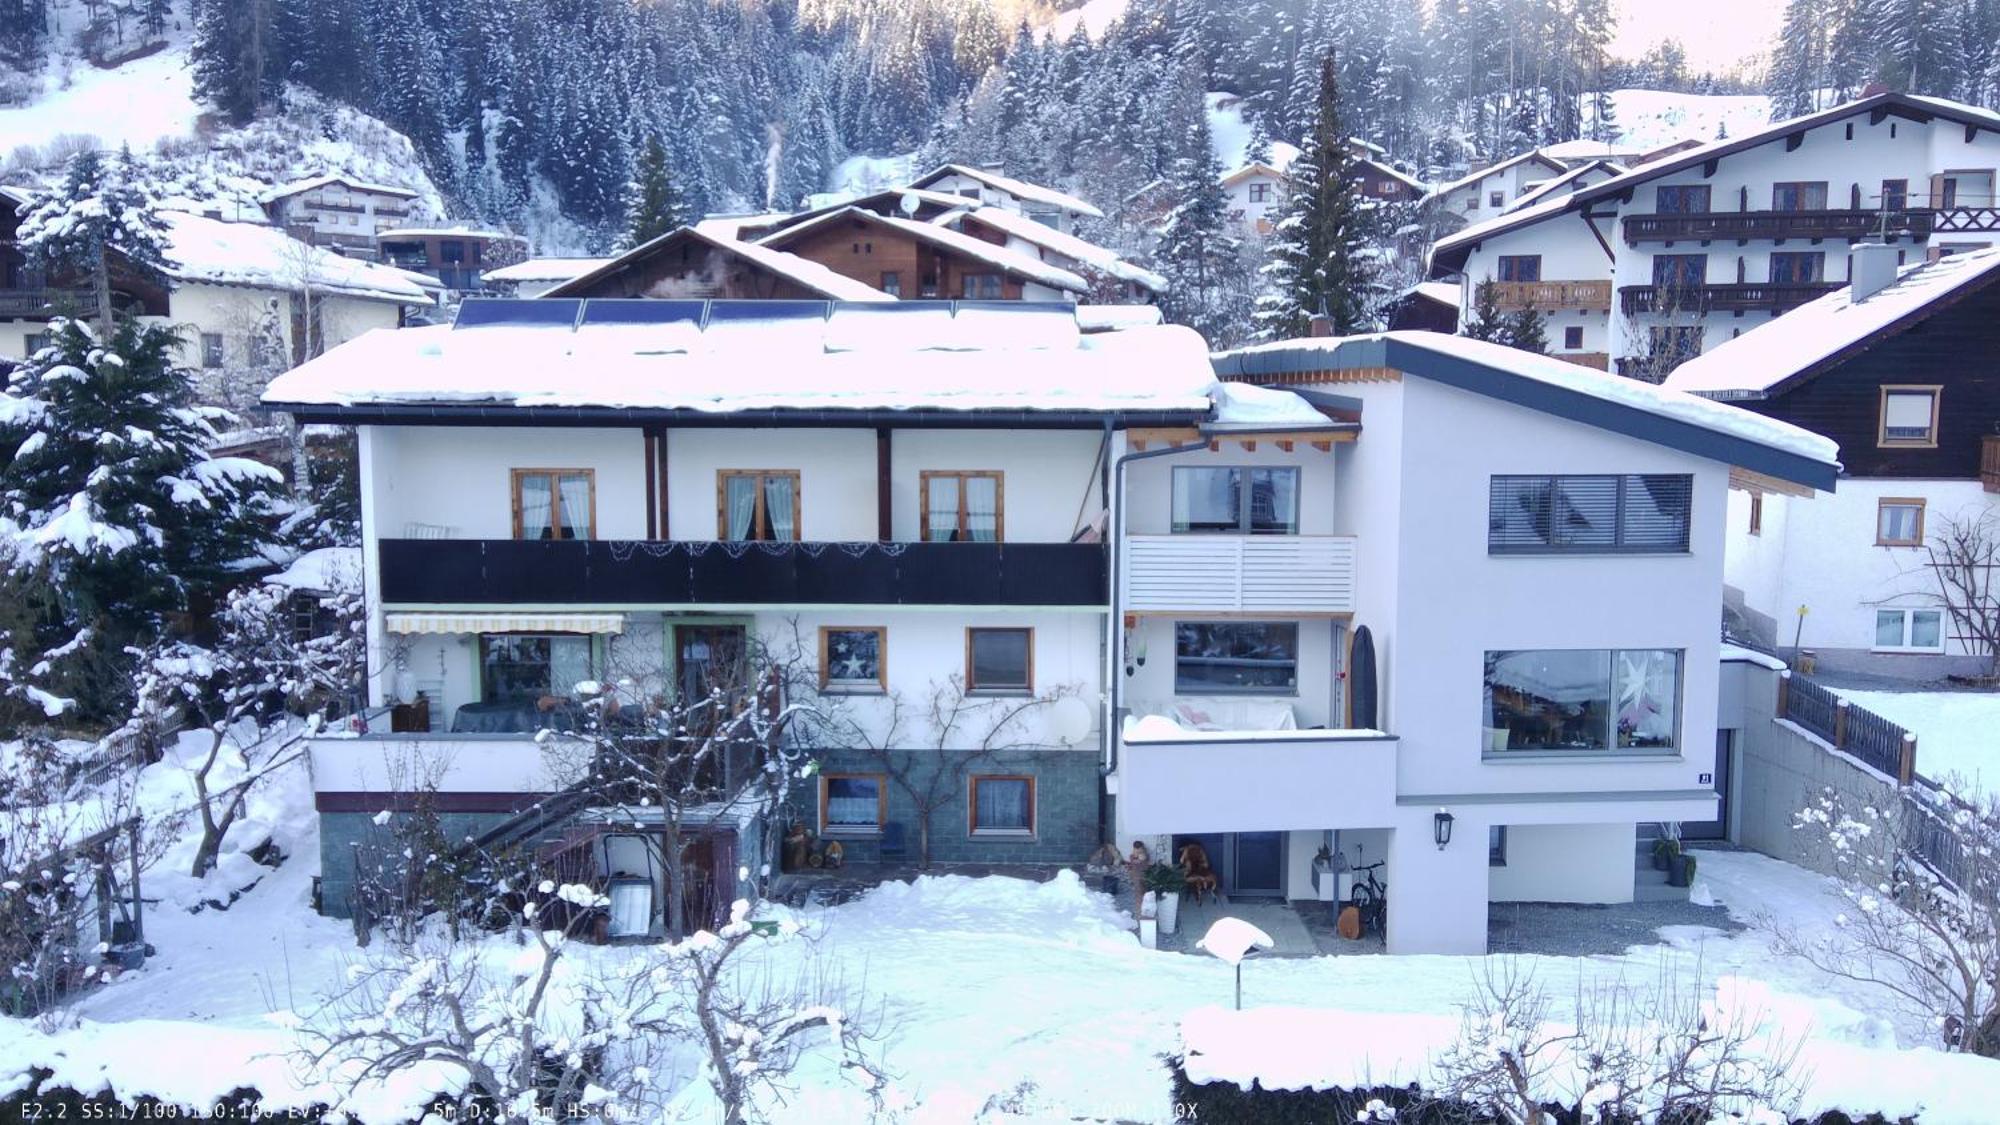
[1321, 323]
[1871, 267]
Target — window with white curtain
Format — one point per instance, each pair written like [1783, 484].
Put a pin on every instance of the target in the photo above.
[1909, 630]
[963, 506]
[1003, 806]
[852, 802]
[1260, 501]
[555, 503]
[758, 504]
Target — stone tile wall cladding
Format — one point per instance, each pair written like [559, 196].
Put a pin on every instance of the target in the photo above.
[339, 832]
[1066, 792]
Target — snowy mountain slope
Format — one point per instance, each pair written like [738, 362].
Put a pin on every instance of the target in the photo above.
[1649, 119]
[1094, 15]
[136, 104]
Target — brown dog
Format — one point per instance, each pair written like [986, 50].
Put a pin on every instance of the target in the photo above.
[1194, 864]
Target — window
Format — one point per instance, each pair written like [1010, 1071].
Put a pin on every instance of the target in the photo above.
[1583, 699]
[1688, 199]
[1793, 267]
[1909, 630]
[852, 803]
[1756, 513]
[1895, 195]
[1002, 806]
[969, 192]
[758, 504]
[1236, 657]
[981, 286]
[1909, 416]
[1573, 338]
[851, 659]
[1049, 219]
[1798, 196]
[33, 342]
[962, 507]
[1679, 271]
[1000, 661]
[1520, 267]
[520, 669]
[1260, 193]
[1899, 522]
[1496, 845]
[555, 504]
[1236, 499]
[211, 349]
[451, 251]
[1387, 187]
[1531, 515]
[1496, 198]
[892, 283]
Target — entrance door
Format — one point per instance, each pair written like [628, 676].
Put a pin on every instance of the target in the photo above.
[1248, 864]
[1718, 828]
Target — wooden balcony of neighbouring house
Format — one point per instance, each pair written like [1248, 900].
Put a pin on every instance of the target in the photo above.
[1596, 361]
[1553, 296]
[1752, 296]
[1967, 220]
[40, 304]
[1294, 575]
[1742, 226]
[630, 572]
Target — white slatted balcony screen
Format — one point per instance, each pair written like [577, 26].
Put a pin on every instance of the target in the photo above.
[1240, 573]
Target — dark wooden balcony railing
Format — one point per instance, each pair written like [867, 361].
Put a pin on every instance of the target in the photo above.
[1699, 225]
[606, 572]
[1771, 296]
[1553, 296]
[1968, 220]
[40, 304]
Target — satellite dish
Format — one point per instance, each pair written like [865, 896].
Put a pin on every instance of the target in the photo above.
[1070, 720]
[909, 203]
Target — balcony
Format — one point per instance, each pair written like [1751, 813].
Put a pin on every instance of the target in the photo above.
[1773, 296]
[1553, 296]
[488, 769]
[1252, 781]
[1596, 361]
[40, 304]
[1701, 226]
[615, 572]
[1967, 220]
[1289, 574]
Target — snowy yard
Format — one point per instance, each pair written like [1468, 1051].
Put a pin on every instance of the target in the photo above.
[1005, 1000]
[1958, 732]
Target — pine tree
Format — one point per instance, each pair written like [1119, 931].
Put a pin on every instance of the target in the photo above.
[1798, 60]
[1527, 329]
[1193, 252]
[113, 513]
[652, 206]
[1320, 260]
[233, 57]
[101, 210]
[1487, 321]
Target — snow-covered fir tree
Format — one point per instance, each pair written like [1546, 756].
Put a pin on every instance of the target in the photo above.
[1320, 261]
[1196, 256]
[103, 210]
[652, 206]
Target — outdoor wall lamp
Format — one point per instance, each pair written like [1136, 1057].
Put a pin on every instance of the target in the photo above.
[1441, 828]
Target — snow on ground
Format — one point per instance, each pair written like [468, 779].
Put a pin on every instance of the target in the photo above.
[1229, 136]
[136, 104]
[1096, 16]
[1650, 119]
[1958, 732]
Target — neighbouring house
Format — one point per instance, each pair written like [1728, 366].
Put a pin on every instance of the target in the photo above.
[1428, 306]
[245, 295]
[1047, 206]
[708, 261]
[1257, 189]
[908, 258]
[457, 256]
[1647, 269]
[340, 212]
[1487, 191]
[537, 276]
[1116, 280]
[1899, 368]
[1581, 176]
[1466, 625]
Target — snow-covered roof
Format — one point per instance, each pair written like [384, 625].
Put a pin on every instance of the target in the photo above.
[1443, 292]
[215, 252]
[1019, 189]
[1587, 150]
[1805, 339]
[721, 234]
[1385, 168]
[1253, 168]
[1479, 174]
[1048, 238]
[545, 269]
[1116, 318]
[978, 249]
[1659, 414]
[447, 232]
[736, 356]
[327, 570]
[296, 187]
[1542, 190]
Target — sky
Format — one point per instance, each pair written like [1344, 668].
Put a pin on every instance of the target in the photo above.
[1716, 33]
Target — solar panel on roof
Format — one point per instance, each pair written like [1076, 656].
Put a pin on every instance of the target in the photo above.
[486, 312]
[641, 310]
[1017, 308]
[722, 312]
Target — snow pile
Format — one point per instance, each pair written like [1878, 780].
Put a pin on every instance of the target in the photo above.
[1955, 733]
[323, 570]
[135, 104]
[1061, 911]
[1292, 1048]
[1246, 405]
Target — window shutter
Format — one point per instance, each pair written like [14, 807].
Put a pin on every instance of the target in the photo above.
[1587, 515]
[1655, 513]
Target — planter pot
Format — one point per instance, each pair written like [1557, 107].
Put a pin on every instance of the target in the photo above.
[1660, 860]
[1149, 933]
[1680, 871]
[1169, 911]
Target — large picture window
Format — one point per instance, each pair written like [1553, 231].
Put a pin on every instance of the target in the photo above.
[961, 507]
[555, 504]
[1639, 514]
[1583, 699]
[524, 669]
[1259, 501]
[1239, 657]
[758, 504]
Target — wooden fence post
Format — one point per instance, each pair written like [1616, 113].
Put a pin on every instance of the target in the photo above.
[1784, 690]
[1840, 724]
[1906, 765]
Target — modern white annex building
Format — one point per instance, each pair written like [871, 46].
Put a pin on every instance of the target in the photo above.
[1646, 269]
[1189, 585]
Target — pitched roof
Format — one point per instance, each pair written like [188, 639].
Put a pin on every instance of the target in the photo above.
[1667, 417]
[1541, 191]
[1050, 239]
[1020, 189]
[295, 187]
[545, 269]
[1480, 174]
[1817, 335]
[1393, 171]
[1450, 252]
[720, 234]
[999, 257]
[216, 252]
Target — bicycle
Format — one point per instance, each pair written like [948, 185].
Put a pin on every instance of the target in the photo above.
[1371, 899]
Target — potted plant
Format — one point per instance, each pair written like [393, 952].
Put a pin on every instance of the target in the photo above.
[1166, 882]
[1681, 873]
[1664, 851]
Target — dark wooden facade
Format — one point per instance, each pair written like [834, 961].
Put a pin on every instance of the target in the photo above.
[686, 265]
[867, 251]
[1956, 347]
[28, 293]
[1379, 181]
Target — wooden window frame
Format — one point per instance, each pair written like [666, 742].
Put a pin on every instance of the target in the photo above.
[826, 684]
[1511, 263]
[1882, 438]
[1916, 502]
[881, 781]
[757, 517]
[1826, 195]
[972, 828]
[1577, 329]
[1757, 514]
[976, 281]
[892, 283]
[555, 496]
[926, 476]
[972, 686]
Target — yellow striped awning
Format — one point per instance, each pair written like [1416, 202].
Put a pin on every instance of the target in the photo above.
[489, 622]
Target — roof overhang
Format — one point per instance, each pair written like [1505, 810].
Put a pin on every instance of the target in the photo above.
[502, 414]
[1380, 354]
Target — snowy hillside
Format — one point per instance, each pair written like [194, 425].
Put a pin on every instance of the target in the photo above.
[1094, 15]
[1649, 119]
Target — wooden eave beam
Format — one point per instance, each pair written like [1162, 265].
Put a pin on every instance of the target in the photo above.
[1755, 482]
